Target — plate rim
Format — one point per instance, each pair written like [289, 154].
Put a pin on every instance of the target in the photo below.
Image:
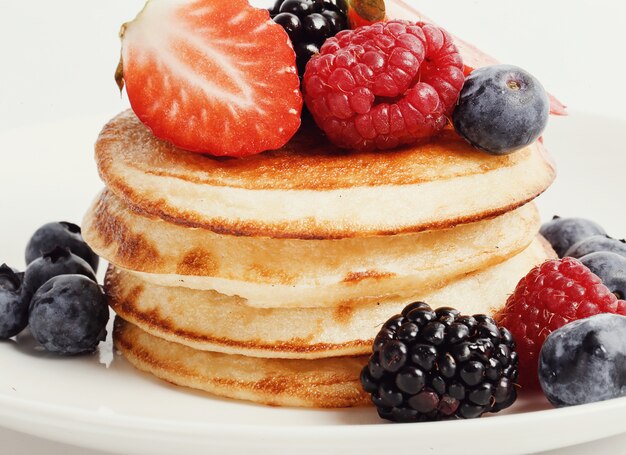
[95, 421]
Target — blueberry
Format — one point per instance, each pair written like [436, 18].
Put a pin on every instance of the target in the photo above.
[596, 243]
[611, 268]
[62, 234]
[501, 109]
[59, 261]
[563, 233]
[585, 361]
[13, 308]
[68, 315]
[10, 278]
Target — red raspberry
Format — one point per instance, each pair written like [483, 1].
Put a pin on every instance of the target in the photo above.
[550, 296]
[383, 85]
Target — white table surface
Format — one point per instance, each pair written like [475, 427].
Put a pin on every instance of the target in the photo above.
[58, 60]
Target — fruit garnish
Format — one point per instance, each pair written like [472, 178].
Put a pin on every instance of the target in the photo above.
[383, 85]
[473, 57]
[59, 261]
[211, 76]
[433, 365]
[63, 234]
[597, 243]
[13, 309]
[68, 315]
[309, 23]
[563, 233]
[583, 362]
[365, 12]
[501, 109]
[550, 296]
[610, 268]
[58, 296]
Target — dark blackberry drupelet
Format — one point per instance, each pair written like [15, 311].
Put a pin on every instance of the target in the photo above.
[309, 23]
[436, 364]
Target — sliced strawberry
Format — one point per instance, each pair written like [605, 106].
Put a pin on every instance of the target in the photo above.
[472, 56]
[211, 76]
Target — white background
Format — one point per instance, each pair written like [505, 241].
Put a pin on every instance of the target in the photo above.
[58, 59]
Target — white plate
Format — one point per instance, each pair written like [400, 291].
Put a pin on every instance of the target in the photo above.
[100, 402]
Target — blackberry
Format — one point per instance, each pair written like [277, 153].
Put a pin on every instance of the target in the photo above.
[309, 23]
[436, 364]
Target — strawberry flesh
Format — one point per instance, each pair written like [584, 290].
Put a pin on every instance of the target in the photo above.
[212, 76]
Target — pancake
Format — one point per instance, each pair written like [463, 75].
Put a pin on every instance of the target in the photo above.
[323, 383]
[309, 189]
[207, 320]
[301, 273]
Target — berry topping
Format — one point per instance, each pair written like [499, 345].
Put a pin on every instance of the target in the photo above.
[562, 233]
[583, 362]
[60, 234]
[59, 261]
[550, 296]
[475, 58]
[365, 12]
[434, 365]
[211, 76]
[610, 268]
[13, 308]
[501, 109]
[309, 23]
[68, 315]
[383, 85]
[596, 243]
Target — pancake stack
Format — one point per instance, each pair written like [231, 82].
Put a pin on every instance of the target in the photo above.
[267, 278]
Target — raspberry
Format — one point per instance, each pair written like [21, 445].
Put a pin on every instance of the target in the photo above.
[550, 296]
[383, 85]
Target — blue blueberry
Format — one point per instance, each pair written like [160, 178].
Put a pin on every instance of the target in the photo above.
[611, 268]
[68, 315]
[62, 234]
[501, 109]
[585, 361]
[59, 261]
[596, 243]
[13, 308]
[563, 233]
